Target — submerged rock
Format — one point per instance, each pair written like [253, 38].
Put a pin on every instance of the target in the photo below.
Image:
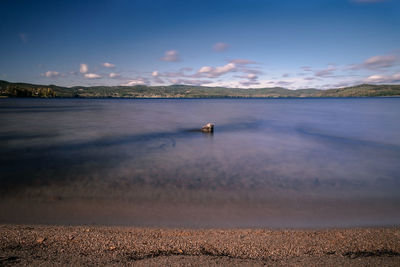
[208, 128]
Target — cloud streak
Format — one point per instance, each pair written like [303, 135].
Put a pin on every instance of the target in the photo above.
[377, 62]
[241, 61]
[383, 78]
[325, 72]
[212, 72]
[196, 82]
[171, 56]
[220, 47]
[108, 65]
[83, 68]
[50, 74]
[92, 76]
[133, 83]
[187, 76]
[114, 75]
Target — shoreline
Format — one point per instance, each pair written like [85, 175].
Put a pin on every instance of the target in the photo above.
[16, 89]
[141, 246]
[203, 98]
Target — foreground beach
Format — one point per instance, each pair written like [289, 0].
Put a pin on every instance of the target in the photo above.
[95, 245]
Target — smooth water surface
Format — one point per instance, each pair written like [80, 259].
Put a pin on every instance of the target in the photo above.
[270, 162]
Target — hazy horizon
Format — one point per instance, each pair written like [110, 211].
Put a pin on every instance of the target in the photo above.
[244, 88]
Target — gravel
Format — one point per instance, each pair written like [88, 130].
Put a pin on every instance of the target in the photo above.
[97, 245]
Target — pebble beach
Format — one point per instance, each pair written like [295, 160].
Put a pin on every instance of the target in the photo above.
[34, 245]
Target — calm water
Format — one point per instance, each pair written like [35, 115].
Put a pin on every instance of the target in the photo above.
[270, 162]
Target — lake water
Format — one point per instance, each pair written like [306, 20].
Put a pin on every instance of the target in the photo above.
[270, 162]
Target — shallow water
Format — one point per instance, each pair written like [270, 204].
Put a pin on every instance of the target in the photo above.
[270, 162]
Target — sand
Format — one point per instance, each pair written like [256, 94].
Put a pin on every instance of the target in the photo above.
[97, 245]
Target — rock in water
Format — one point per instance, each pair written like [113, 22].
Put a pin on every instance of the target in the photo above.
[208, 128]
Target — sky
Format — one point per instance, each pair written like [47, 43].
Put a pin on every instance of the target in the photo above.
[246, 44]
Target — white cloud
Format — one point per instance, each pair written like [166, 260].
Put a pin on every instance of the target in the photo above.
[380, 61]
[283, 83]
[325, 72]
[108, 65]
[249, 83]
[171, 56]
[241, 61]
[242, 66]
[189, 81]
[213, 72]
[383, 78]
[290, 83]
[83, 68]
[134, 82]
[377, 62]
[251, 79]
[205, 69]
[228, 83]
[251, 76]
[114, 75]
[224, 69]
[376, 78]
[50, 74]
[176, 74]
[220, 47]
[92, 76]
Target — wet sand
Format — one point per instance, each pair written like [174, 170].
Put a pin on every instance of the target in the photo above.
[97, 245]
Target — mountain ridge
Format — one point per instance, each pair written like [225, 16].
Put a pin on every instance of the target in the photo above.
[9, 89]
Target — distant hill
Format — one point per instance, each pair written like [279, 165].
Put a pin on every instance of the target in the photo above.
[8, 89]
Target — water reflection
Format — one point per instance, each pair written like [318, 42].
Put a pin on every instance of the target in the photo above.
[274, 163]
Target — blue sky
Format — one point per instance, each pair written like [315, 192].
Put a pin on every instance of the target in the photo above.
[247, 43]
